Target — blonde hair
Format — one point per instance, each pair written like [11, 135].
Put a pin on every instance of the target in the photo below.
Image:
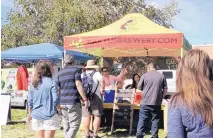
[194, 85]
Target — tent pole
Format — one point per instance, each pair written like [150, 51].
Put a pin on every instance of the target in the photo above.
[63, 59]
[181, 52]
[34, 65]
[62, 62]
[102, 62]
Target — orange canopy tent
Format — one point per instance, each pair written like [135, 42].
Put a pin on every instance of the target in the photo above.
[132, 35]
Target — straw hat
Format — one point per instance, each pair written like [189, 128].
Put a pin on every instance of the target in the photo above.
[91, 64]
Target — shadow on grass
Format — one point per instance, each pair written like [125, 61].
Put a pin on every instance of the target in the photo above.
[17, 107]
[16, 122]
[118, 133]
[124, 133]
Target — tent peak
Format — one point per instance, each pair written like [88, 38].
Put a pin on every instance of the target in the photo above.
[134, 10]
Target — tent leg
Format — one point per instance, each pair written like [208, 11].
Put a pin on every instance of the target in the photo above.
[181, 52]
[63, 59]
[64, 53]
[62, 63]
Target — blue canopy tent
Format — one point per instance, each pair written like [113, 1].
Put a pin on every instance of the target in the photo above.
[37, 52]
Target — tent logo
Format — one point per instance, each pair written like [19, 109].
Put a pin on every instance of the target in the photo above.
[125, 25]
[77, 44]
[130, 25]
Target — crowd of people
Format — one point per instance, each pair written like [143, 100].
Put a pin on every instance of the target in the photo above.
[75, 94]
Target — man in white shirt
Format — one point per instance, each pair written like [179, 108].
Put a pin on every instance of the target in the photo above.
[95, 98]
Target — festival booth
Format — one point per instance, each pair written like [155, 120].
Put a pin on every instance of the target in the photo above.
[134, 35]
[31, 54]
[34, 53]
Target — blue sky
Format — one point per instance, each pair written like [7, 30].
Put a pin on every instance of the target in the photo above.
[195, 19]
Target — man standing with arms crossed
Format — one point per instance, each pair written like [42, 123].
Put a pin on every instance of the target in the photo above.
[154, 87]
[70, 86]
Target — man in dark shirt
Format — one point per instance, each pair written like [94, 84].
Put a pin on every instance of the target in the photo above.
[70, 86]
[154, 87]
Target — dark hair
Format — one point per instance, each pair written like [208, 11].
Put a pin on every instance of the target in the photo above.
[43, 69]
[102, 69]
[133, 80]
[152, 64]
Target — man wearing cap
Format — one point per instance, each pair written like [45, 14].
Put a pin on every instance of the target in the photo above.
[70, 86]
[95, 103]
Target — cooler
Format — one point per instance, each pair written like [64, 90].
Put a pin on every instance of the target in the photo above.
[138, 97]
[109, 96]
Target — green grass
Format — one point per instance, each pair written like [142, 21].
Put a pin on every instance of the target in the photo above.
[18, 114]
[21, 130]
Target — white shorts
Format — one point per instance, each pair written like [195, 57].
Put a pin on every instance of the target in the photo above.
[50, 124]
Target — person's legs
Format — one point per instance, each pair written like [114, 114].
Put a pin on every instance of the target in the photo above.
[96, 125]
[75, 115]
[51, 125]
[87, 125]
[155, 121]
[39, 134]
[49, 133]
[65, 120]
[143, 119]
[97, 111]
[86, 121]
[37, 126]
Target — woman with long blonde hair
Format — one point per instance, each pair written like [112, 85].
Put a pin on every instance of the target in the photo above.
[190, 113]
[43, 101]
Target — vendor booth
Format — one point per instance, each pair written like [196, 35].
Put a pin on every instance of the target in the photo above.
[134, 35]
[31, 54]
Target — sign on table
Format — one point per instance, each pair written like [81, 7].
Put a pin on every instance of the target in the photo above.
[5, 109]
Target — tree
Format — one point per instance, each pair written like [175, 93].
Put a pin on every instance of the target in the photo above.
[40, 21]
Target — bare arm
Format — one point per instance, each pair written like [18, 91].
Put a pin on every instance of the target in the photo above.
[102, 85]
[80, 89]
[121, 76]
[30, 103]
[141, 83]
[164, 87]
[164, 92]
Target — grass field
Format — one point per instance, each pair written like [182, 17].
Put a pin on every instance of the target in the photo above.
[21, 130]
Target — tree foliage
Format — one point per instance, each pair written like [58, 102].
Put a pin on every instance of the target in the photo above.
[37, 21]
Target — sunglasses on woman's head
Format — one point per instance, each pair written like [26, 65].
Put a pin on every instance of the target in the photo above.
[105, 70]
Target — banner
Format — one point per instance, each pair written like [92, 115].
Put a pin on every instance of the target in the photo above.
[9, 77]
[133, 41]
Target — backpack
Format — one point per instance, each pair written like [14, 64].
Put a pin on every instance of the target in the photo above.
[87, 82]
